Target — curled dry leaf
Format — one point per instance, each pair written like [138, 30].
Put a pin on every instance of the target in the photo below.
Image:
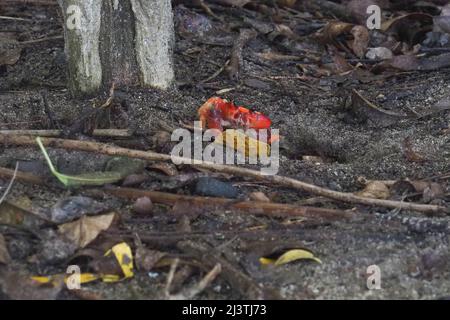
[86, 229]
[147, 259]
[406, 19]
[365, 110]
[360, 41]
[290, 256]
[168, 169]
[375, 190]
[334, 29]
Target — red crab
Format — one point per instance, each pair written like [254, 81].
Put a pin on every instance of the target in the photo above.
[217, 113]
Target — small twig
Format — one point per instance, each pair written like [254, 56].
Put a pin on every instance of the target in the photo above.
[230, 169]
[10, 184]
[109, 133]
[208, 10]
[236, 59]
[215, 74]
[41, 40]
[21, 176]
[15, 18]
[191, 292]
[33, 2]
[170, 276]
[256, 207]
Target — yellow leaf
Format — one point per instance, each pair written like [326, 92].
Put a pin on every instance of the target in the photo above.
[266, 261]
[290, 256]
[42, 280]
[88, 277]
[239, 141]
[124, 257]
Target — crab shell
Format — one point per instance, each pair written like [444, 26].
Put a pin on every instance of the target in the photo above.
[217, 112]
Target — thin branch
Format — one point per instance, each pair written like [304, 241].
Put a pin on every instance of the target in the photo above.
[21, 176]
[233, 170]
[110, 133]
[255, 207]
[10, 184]
[191, 292]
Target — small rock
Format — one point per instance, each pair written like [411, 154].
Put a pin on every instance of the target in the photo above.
[71, 208]
[211, 187]
[379, 53]
[134, 180]
[143, 205]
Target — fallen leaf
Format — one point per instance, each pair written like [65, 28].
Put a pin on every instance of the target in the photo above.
[290, 256]
[147, 259]
[243, 143]
[334, 29]
[168, 169]
[360, 41]
[85, 179]
[86, 229]
[406, 19]
[365, 110]
[374, 190]
[20, 286]
[19, 212]
[122, 253]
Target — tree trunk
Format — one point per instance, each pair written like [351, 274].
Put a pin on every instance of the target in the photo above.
[125, 42]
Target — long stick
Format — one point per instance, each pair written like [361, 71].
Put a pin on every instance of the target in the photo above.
[113, 133]
[280, 180]
[256, 207]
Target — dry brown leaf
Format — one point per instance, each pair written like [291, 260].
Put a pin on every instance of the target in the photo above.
[334, 29]
[84, 230]
[374, 190]
[361, 40]
[147, 259]
[406, 18]
[5, 258]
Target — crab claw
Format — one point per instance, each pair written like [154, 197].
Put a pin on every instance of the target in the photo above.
[210, 113]
[258, 121]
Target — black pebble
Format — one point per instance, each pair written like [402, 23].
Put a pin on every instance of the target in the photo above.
[215, 188]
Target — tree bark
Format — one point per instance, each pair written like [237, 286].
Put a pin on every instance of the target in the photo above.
[125, 42]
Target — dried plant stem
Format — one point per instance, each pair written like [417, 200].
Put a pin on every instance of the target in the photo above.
[278, 180]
